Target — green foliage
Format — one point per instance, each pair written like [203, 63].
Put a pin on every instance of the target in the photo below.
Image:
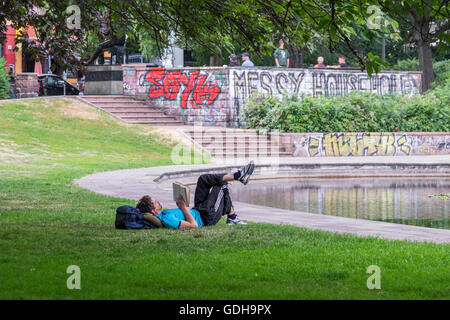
[407, 65]
[441, 69]
[375, 64]
[150, 47]
[4, 80]
[442, 72]
[355, 112]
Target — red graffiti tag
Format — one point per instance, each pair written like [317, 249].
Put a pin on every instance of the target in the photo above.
[167, 84]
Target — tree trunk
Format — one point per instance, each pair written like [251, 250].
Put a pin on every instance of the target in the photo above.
[421, 30]
[295, 57]
[214, 61]
[426, 65]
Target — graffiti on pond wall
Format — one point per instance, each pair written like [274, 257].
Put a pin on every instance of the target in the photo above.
[352, 144]
[369, 144]
[430, 144]
[191, 88]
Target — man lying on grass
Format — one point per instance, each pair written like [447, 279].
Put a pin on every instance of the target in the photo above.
[212, 201]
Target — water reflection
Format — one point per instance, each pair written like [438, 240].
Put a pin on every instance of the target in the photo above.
[402, 201]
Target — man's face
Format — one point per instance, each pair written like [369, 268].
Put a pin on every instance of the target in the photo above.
[341, 60]
[244, 58]
[157, 205]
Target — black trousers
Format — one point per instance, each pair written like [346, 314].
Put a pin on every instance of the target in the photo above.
[212, 198]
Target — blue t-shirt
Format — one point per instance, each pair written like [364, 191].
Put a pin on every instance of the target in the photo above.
[171, 218]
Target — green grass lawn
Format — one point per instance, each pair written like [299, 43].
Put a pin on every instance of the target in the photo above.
[48, 223]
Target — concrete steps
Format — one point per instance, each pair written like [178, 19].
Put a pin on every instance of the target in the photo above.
[236, 143]
[129, 110]
[247, 154]
[154, 121]
[132, 111]
[220, 142]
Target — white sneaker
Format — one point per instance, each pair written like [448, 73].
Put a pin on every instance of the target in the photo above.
[246, 172]
[236, 220]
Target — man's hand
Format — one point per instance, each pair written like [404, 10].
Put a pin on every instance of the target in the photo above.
[190, 221]
[180, 202]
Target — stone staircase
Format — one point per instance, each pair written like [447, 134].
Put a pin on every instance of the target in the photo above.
[221, 143]
[131, 111]
[229, 143]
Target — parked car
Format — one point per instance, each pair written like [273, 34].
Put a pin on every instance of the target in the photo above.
[52, 85]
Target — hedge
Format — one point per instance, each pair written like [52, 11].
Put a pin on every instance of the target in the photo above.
[4, 80]
[354, 112]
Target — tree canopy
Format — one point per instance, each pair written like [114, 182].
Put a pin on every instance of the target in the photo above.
[219, 26]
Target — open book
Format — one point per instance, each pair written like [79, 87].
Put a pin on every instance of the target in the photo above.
[179, 188]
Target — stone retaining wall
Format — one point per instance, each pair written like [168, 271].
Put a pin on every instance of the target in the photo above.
[215, 95]
[26, 85]
[104, 80]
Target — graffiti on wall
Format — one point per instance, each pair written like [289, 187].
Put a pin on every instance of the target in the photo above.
[338, 84]
[368, 144]
[430, 144]
[244, 82]
[191, 88]
[216, 95]
[350, 144]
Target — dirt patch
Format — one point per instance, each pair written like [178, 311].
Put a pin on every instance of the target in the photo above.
[75, 110]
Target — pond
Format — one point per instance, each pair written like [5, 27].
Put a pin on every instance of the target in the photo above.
[405, 201]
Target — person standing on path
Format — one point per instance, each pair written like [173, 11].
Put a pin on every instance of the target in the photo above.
[233, 60]
[341, 63]
[247, 62]
[320, 63]
[281, 56]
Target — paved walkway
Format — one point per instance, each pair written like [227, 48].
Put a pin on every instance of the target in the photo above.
[134, 183]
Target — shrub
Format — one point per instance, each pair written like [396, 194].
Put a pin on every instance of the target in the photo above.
[355, 112]
[442, 72]
[441, 69]
[407, 65]
[4, 81]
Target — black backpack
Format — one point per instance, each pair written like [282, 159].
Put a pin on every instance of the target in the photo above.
[128, 217]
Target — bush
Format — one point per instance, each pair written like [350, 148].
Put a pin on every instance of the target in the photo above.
[442, 72]
[355, 112]
[441, 69]
[407, 65]
[4, 81]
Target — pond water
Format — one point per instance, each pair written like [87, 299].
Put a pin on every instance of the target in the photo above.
[405, 201]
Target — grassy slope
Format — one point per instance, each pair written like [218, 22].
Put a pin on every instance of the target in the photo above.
[47, 223]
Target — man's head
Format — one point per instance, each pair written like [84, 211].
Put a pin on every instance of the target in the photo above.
[232, 57]
[281, 42]
[245, 56]
[341, 59]
[149, 205]
[320, 60]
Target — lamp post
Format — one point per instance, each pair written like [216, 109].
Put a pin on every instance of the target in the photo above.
[64, 77]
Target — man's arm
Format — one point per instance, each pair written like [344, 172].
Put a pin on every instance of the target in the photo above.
[190, 221]
[276, 62]
[287, 63]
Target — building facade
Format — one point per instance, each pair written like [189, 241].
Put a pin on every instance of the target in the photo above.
[18, 61]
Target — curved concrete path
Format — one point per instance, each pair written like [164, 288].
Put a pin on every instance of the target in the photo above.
[157, 181]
